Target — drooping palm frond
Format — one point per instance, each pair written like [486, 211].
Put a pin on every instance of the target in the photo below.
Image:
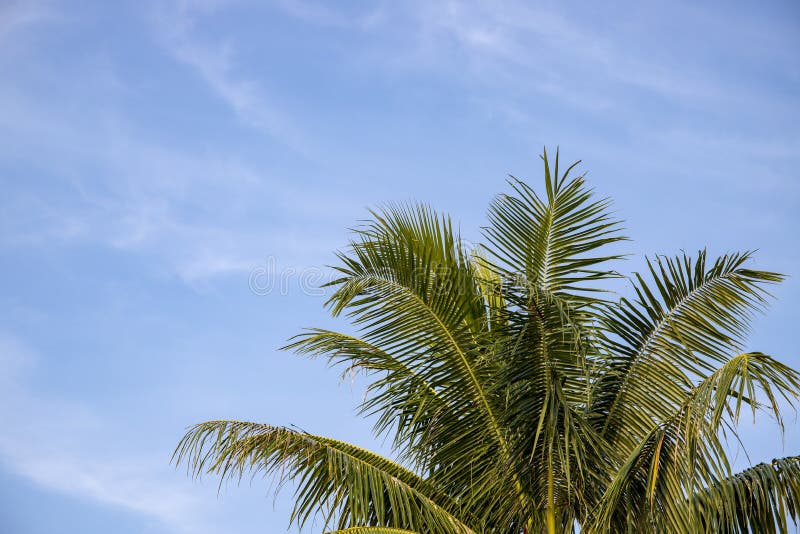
[402, 398]
[411, 289]
[345, 483]
[518, 396]
[684, 453]
[762, 498]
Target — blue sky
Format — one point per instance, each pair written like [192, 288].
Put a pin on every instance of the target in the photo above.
[156, 158]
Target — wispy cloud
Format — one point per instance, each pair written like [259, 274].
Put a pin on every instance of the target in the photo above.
[521, 48]
[214, 63]
[136, 201]
[525, 51]
[128, 486]
[197, 212]
[548, 53]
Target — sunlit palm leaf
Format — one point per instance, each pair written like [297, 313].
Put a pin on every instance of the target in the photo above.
[347, 484]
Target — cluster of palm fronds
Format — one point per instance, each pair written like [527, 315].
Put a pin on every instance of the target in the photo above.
[521, 398]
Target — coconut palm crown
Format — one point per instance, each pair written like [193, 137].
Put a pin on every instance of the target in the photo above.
[519, 394]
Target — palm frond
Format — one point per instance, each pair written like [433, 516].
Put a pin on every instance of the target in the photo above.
[762, 498]
[546, 252]
[552, 242]
[411, 289]
[402, 398]
[346, 484]
[681, 327]
[684, 453]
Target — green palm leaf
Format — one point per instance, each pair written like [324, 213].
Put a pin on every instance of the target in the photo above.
[681, 326]
[412, 290]
[760, 499]
[346, 483]
[552, 242]
[684, 453]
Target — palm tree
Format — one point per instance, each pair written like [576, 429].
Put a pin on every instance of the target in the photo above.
[519, 394]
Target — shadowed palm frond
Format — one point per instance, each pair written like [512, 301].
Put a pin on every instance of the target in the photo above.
[412, 290]
[402, 398]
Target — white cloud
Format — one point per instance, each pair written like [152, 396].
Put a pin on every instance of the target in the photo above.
[130, 487]
[526, 50]
[197, 213]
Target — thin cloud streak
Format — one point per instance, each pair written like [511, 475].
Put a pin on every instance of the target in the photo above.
[521, 37]
[215, 65]
[141, 201]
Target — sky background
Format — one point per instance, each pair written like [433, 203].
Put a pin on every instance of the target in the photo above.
[159, 158]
